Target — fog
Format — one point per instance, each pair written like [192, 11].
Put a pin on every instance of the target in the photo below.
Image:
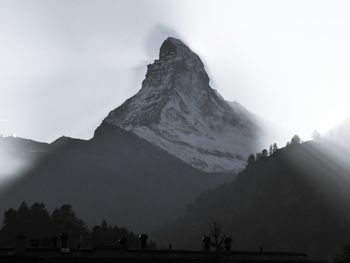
[66, 64]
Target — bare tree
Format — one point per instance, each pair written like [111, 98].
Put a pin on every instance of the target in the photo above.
[217, 236]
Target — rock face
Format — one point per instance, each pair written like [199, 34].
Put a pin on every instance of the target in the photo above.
[178, 111]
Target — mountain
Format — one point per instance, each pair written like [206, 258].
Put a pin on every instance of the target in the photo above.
[297, 199]
[178, 111]
[140, 168]
[116, 175]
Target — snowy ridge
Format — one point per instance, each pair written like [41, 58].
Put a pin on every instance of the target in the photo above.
[178, 111]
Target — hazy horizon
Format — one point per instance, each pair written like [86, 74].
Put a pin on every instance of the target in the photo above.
[66, 64]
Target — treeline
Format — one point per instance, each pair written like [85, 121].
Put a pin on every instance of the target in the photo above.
[44, 229]
[253, 158]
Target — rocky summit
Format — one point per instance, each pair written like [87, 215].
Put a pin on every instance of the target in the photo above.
[178, 111]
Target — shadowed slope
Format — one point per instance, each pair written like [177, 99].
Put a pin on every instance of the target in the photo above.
[298, 199]
[117, 176]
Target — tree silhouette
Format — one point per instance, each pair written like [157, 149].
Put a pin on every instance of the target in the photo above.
[64, 220]
[45, 229]
[217, 236]
[258, 156]
[251, 160]
[264, 153]
[40, 222]
[271, 150]
[274, 147]
[295, 140]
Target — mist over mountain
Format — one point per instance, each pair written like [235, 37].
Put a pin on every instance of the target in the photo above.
[178, 111]
[18, 155]
[297, 199]
[151, 156]
[340, 134]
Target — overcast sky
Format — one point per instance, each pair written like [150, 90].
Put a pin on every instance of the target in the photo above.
[65, 64]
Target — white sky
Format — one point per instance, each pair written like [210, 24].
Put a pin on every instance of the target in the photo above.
[65, 64]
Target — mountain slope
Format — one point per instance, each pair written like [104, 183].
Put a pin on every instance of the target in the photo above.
[178, 111]
[116, 176]
[298, 199]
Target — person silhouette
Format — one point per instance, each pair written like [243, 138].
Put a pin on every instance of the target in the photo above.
[143, 239]
[228, 243]
[206, 243]
[123, 242]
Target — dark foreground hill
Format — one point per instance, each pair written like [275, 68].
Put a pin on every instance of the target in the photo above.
[116, 176]
[297, 199]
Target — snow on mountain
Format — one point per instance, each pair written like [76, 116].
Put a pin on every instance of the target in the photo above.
[177, 110]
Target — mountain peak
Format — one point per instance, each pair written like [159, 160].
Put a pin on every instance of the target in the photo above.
[177, 110]
[174, 58]
[173, 47]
